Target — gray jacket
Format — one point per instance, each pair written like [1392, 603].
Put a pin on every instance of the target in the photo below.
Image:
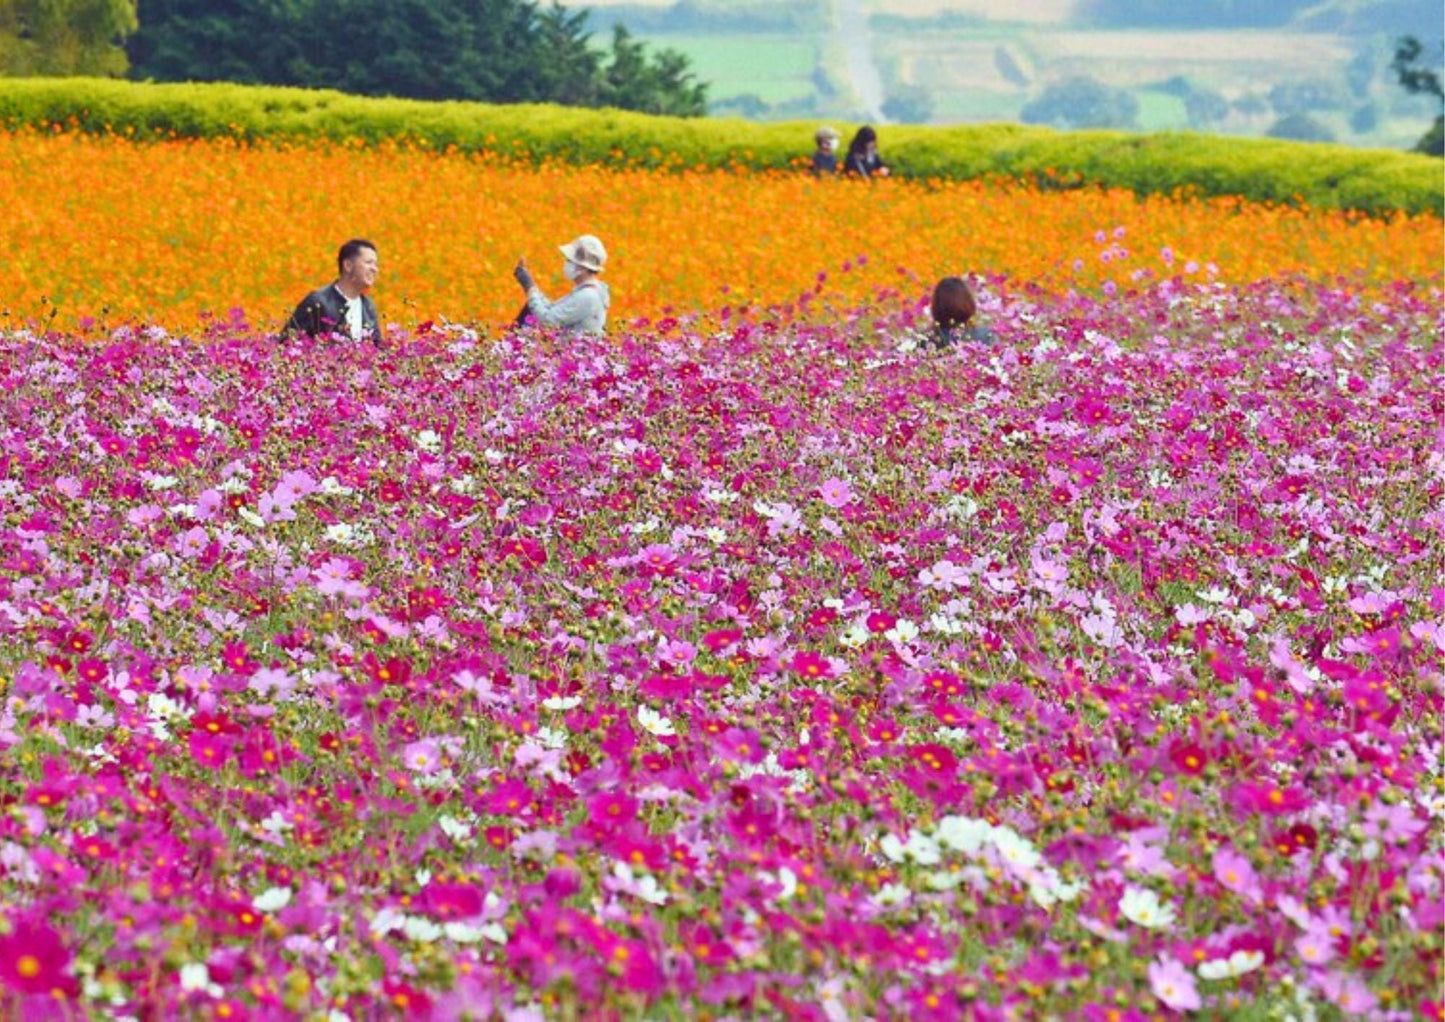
[583, 310]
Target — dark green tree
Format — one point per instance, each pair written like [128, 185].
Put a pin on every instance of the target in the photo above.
[247, 41]
[908, 104]
[1417, 79]
[1082, 102]
[1205, 107]
[420, 49]
[1301, 128]
[663, 84]
[492, 50]
[64, 37]
[571, 70]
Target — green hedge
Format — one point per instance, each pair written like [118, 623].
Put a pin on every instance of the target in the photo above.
[1332, 176]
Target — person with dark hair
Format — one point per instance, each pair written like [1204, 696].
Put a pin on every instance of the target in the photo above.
[863, 159]
[825, 156]
[343, 307]
[954, 307]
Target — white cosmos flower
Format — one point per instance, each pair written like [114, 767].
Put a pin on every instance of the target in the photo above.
[276, 822]
[272, 899]
[388, 919]
[788, 880]
[854, 636]
[654, 722]
[251, 517]
[891, 894]
[163, 707]
[1236, 964]
[644, 886]
[421, 930]
[456, 830]
[963, 834]
[944, 624]
[463, 933]
[1141, 906]
[561, 702]
[945, 879]
[902, 633]
[1017, 851]
[923, 849]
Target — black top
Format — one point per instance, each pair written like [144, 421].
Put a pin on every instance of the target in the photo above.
[863, 165]
[323, 311]
[825, 163]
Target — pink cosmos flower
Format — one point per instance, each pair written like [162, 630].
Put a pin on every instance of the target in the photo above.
[1392, 824]
[1173, 984]
[1316, 946]
[209, 503]
[272, 683]
[423, 756]
[1268, 798]
[192, 543]
[209, 750]
[1235, 873]
[293, 486]
[452, 901]
[33, 960]
[1348, 992]
[836, 493]
[811, 665]
[677, 653]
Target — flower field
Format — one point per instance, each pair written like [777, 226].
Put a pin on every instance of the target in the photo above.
[100, 231]
[777, 669]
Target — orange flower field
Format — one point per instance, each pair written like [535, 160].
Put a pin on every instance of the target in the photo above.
[111, 230]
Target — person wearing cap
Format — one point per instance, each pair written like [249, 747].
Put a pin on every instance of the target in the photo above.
[583, 310]
[825, 157]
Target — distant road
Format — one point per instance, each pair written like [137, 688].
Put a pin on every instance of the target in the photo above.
[858, 52]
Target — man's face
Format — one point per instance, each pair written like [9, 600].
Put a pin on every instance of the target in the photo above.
[361, 270]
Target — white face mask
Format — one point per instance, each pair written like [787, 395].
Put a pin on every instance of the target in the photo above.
[571, 271]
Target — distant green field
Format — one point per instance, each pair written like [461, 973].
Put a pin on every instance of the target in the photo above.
[971, 106]
[774, 68]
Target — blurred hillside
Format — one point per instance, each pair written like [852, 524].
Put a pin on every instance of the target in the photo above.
[1293, 68]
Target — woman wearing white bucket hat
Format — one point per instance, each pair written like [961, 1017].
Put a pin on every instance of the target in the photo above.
[584, 309]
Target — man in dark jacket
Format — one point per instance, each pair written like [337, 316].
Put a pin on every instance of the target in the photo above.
[343, 308]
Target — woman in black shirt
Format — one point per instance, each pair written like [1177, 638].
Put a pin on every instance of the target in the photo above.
[863, 158]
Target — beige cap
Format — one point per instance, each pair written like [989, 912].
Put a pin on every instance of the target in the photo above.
[825, 131]
[586, 251]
